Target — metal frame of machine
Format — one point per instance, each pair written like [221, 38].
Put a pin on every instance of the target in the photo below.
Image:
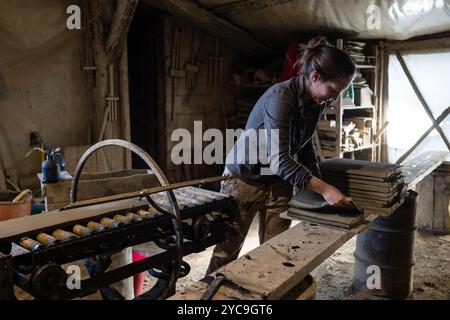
[149, 215]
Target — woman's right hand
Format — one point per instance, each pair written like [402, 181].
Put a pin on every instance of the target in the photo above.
[333, 196]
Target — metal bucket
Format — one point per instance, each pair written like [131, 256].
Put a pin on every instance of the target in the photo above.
[12, 210]
[386, 250]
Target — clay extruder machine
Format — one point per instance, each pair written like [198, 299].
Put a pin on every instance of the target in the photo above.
[179, 219]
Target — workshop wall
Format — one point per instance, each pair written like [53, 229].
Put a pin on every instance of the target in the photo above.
[44, 89]
[42, 85]
[211, 100]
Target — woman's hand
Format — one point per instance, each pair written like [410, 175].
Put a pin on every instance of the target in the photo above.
[333, 196]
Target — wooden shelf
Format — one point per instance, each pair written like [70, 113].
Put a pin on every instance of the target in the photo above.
[328, 153]
[358, 149]
[357, 107]
[332, 129]
[365, 66]
[253, 86]
[341, 113]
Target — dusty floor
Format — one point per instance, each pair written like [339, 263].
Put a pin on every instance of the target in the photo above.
[334, 276]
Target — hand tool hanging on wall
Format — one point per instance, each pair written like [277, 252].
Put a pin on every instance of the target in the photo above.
[192, 68]
[112, 99]
[215, 65]
[175, 70]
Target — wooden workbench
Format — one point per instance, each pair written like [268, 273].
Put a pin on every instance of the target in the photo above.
[276, 267]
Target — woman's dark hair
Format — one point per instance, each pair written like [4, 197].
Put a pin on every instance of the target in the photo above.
[330, 62]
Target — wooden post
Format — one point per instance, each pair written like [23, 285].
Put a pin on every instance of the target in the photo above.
[125, 104]
[384, 86]
[89, 68]
[101, 75]
[106, 54]
[119, 29]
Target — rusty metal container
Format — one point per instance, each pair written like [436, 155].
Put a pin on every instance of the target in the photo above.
[387, 245]
[12, 210]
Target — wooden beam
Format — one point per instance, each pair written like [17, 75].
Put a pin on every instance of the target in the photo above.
[239, 7]
[384, 101]
[119, 28]
[125, 104]
[419, 45]
[212, 24]
[101, 77]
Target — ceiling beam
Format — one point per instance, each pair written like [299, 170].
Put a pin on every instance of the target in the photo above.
[119, 29]
[212, 24]
[239, 7]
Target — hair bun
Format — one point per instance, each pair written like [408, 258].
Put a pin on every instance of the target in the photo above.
[317, 43]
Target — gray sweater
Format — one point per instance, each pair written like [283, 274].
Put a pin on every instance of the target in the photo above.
[290, 127]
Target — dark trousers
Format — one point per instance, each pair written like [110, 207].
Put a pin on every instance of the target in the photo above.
[268, 201]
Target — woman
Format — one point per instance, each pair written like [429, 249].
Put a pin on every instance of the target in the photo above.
[289, 112]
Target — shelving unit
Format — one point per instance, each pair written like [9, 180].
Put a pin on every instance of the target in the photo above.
[249, 83]
[336, 138]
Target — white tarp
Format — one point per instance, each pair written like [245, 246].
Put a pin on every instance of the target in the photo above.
[281, 21]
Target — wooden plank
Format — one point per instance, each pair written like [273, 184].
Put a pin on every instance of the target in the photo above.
[349, 176]
[213, 24]
[130, 195]
[16, 228]
[418, 168]
[373, 194]
[374, 181]
[426, 45]
[360, 167]
[374, 203]
[61, 218]
[277, 266]
[385, 212]
[387, 189]
[234, 8]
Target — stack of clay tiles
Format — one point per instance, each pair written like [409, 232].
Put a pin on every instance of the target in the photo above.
[377, 187]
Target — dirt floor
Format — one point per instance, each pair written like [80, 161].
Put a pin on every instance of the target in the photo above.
[334, 276]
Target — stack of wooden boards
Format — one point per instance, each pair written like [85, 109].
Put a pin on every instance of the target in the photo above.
[379, 188]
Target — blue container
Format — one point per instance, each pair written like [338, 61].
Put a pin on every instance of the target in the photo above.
[51, 171]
